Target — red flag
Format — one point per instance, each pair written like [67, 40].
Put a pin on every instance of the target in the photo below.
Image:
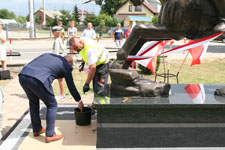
[196, 92]
[198, 53]
[153, 62]
[171, 42]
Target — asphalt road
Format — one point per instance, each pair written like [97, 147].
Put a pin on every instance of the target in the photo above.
[32, 48]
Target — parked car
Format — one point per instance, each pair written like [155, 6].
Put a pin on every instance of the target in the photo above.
[221, 38]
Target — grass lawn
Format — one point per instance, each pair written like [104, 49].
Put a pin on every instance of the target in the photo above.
[211, 71]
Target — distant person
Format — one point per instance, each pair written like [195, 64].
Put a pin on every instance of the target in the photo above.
[127, 33]
[118, 36]
[89, 32]
[60, 24]
[58, 46]
[36, 80]
[2, 48]
[59, 49]
[72, 30]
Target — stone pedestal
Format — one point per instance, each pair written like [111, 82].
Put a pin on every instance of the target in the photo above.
[174, 121]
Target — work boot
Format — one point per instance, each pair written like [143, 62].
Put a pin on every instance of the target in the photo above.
[40, 132]
[55, 137]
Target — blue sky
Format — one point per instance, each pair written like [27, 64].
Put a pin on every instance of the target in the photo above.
[20, 7]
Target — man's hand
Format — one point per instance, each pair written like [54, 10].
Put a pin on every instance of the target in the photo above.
[81, 106]
[81, 67]
[86, 88]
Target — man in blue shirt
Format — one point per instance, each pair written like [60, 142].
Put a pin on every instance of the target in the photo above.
[36, 79]
[89, 32]
[118, 36]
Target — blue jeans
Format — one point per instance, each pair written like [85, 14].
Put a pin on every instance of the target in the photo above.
[35, 91]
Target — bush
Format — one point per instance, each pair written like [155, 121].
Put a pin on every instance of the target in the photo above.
[145, 70]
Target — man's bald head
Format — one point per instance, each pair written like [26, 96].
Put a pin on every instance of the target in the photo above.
[69, 59]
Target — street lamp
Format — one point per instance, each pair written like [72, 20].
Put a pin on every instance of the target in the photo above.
[44, 17]
[31, 12]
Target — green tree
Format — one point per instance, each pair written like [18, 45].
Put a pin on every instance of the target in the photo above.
[21, 19]
[155, 19]
[109, 7]
[109, 21]
[102, 26]
[6, 14]
[90, 18]
[66, 17]
[38, 18]
[52, 21]
[75, 15]
[28, 18]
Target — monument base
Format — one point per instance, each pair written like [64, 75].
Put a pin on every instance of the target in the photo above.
[162, 122]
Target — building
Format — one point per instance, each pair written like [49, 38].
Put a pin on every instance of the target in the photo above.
[155, 4]
[48, 13]
[83, 14]
[8, 21]
[128, 12]
[138, 20]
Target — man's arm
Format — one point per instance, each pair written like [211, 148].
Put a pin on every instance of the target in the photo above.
[2, 39]
[91, 74]
[71, 86]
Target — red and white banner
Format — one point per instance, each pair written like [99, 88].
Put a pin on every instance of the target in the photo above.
[196, 92]
[187, 46]
[147, 56]
[193, 44]
[198, 53]
[152, 48]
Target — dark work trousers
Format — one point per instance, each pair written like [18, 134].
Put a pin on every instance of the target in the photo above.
[100, 79]
[35, 91]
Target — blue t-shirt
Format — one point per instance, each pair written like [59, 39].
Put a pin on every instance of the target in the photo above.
[118, 34]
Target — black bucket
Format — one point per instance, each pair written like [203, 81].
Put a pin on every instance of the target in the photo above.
[83, 118]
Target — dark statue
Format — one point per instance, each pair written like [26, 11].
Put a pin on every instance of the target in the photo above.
[193, 19]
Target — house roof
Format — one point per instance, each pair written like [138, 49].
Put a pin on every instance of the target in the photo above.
[149, 7]
[7, 21]
[85, 12]
[51, 13]
[138, 18]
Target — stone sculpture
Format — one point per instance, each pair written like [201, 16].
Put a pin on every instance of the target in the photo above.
[193, 19]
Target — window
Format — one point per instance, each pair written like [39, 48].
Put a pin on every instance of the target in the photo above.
[138, 8]
[130, 8]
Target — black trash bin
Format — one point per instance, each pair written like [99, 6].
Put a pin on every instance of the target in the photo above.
[83, 118]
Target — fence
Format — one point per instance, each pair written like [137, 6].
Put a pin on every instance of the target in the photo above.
[22, 30]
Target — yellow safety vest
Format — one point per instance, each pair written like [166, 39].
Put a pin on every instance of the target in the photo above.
[101, 99]
[102, 57]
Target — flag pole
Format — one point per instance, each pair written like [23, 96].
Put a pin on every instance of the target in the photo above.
[164, 65]
[183, 62]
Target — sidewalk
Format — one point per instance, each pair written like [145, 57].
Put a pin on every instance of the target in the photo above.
[16, 105]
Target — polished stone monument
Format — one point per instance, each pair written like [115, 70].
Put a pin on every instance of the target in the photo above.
[193, 19]
[190, 117]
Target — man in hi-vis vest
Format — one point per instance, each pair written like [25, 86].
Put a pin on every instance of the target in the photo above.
[97, 58]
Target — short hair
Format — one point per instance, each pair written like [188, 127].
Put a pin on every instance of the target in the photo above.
[69, 59]
[72, 41]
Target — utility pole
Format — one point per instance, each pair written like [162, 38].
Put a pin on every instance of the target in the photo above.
[44, 17]
[31, 18]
